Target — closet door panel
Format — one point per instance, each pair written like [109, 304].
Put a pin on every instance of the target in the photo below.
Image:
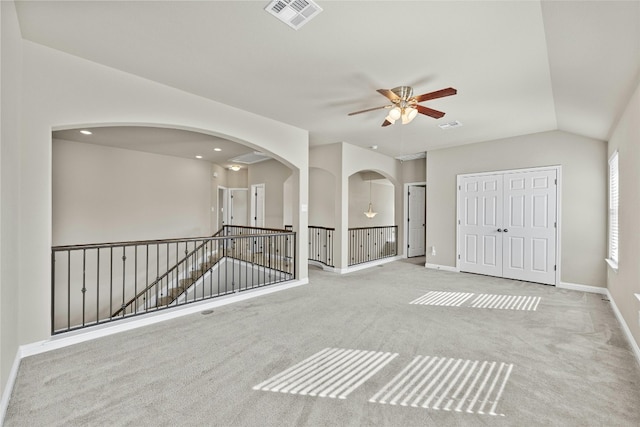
[529, 235]
[480, 213]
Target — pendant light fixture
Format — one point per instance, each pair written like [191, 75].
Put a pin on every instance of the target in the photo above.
[370, 213]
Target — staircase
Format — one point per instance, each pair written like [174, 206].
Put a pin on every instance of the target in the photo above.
[104, 282]
[184, 284]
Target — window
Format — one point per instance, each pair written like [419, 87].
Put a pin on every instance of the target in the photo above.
[613, 211]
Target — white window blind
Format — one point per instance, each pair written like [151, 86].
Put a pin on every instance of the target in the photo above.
[613, 208]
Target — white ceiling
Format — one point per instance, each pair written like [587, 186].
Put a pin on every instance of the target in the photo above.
[520, 67]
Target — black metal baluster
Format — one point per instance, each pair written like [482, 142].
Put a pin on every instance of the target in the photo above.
[53, 292]
[135, 281]
[124, 288]
[68, 289]
[84, 285]
[110, 282]
[98, 285]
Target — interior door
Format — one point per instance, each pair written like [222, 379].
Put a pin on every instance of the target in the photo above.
[480, 217]
[237, 206]
[416, 221]
[529, 231]
[257, 205]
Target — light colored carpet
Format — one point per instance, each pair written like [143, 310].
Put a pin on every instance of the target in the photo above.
[570, 362]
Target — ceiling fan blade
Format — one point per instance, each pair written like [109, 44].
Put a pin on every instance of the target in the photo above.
[369, 109]
[429, 112]
[392, 96]
[386, 123]
[437, 94]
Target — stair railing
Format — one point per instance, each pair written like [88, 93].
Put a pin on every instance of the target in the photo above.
[98, 283]
[372, 243]
[321, 245]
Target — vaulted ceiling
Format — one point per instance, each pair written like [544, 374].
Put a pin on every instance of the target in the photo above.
[519, 67]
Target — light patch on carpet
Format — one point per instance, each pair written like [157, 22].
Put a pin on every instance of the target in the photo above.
[332, 372]
[466, 299]
[440, 383]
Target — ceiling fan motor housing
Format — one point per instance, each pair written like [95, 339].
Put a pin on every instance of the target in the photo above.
[403, 92]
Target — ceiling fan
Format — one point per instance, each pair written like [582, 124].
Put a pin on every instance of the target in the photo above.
[405, 106]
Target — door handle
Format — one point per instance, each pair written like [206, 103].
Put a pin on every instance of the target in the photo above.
[506, 231]
[499, 230]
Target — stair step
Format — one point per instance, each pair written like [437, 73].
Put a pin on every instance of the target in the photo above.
[185, 283]
[164, 301]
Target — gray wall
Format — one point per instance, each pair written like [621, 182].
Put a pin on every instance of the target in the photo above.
[414, 171]
[105, 194]
[625, 282]
[382, 197]
[584, 209]
[322, 198]
[10, 135]
[273, 175]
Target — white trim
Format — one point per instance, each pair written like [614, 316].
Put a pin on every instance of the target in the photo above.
[91, 333]
[87, 334]
[506, 171]
[323, 266]
[613, 171]
[638, 296]
[582, 288]
[442, 267]
[8, 388]
[557, 169]
[366, 265]
[625, 328]
[612, 264]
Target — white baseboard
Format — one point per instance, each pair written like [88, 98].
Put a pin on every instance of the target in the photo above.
[582, 288]
[441, 267]
[323, 266]
[625, 328]
[91, 333]
[366, 265]
[8, 388]
[87, 334]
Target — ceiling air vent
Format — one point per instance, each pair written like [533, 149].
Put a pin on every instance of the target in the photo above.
[250, 158]
[294, 13]
[450, 125]
[407, 157]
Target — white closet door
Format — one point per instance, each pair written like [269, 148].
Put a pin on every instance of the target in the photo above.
[529, 229]
[480, 216]
[416, 228]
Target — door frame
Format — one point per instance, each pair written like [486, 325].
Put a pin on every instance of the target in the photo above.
[558, 170]
[405, 209]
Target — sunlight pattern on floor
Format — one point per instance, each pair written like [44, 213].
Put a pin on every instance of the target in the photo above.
[332, 372]
[465, 299]
[440, 383]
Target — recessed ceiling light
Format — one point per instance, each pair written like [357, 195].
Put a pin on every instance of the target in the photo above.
[198, 157]
[86, 132]
[217, 149]
[374, 147]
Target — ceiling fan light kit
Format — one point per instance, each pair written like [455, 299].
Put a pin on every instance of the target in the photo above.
[405, 106]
